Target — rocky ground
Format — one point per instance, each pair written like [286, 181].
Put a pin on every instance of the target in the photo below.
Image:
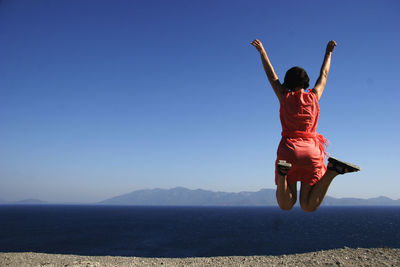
[336, 257]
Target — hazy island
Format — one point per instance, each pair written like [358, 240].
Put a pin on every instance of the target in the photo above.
[180, 196]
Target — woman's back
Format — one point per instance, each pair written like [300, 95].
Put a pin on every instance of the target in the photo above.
[299, 111]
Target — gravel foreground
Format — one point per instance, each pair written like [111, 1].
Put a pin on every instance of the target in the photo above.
[336, 257]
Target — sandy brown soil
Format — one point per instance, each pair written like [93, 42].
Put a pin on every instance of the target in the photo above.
[337, 257]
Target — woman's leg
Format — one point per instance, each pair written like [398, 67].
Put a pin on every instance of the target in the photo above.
[286, 194]
[311, 196]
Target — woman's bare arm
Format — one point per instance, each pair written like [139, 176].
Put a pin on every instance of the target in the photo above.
[269, 70]
[323, 76]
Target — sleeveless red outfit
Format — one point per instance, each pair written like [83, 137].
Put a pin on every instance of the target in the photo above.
[301, 145]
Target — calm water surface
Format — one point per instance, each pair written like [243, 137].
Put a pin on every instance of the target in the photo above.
[193, 231]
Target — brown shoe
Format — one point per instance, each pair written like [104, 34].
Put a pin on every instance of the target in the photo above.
[342, 167]
[283, 167]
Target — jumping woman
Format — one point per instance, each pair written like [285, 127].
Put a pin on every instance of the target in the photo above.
[301, 152]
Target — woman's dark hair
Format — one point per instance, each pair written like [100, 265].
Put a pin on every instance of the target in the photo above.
[296, 77]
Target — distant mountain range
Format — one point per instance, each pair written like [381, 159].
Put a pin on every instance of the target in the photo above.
[181, 196]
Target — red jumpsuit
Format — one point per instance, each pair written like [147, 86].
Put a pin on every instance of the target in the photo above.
[301, 145]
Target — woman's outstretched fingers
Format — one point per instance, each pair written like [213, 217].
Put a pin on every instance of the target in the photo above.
[255, 41]
[257, 44]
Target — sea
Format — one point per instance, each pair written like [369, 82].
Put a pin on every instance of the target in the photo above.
[148, 231]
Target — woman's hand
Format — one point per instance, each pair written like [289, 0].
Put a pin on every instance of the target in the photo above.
[331, 45]
[323, 75]
[257, 44]
[269, 70]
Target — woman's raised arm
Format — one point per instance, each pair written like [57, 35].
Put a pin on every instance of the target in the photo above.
[323, 76]
[269, 70]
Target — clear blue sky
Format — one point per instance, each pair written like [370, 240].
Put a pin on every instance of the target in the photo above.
[101, 98]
